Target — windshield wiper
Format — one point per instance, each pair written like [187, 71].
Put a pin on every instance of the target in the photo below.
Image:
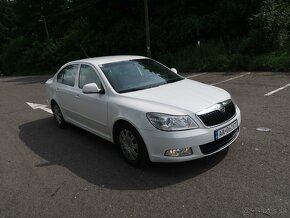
[174, 80]
[141, 88]
[131, 90]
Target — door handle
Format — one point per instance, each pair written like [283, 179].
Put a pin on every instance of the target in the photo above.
[77, 96]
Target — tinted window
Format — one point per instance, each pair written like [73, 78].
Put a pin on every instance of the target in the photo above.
[67, 75]
[88, 75]
[133, 75]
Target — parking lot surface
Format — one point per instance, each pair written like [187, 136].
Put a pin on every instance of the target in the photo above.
[50, 172]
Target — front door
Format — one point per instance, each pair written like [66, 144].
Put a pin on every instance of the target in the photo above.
[92, 108]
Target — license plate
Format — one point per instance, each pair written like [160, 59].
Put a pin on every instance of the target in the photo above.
[218, 134]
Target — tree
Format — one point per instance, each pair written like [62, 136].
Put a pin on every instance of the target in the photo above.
[273, 19]
[7, 21]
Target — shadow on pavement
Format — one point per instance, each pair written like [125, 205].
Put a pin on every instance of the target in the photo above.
[99, 161]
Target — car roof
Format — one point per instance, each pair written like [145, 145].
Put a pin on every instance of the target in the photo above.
[108, 59]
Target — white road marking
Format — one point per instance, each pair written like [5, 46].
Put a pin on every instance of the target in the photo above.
[195, 75]
[230, 79]
[39, 106]
[264, 129]
[277, 90]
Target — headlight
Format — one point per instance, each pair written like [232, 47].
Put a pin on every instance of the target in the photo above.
[168, 122]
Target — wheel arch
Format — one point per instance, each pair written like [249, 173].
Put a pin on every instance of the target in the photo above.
[117, 125]
[52, 102]
[144, 157]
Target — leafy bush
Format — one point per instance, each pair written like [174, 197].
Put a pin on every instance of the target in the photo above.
[273, 62]
[11, 54]
[273, 19]
[211, 56]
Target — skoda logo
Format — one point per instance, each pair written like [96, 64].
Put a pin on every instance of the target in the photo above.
[221, 108]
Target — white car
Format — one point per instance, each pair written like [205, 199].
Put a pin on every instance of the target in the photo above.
[147, 109]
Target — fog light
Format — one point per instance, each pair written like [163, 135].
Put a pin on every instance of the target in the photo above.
[179, 152]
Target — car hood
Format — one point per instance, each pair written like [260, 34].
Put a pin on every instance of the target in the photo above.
[185, 95]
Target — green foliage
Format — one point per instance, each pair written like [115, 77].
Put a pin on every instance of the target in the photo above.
[7, 18]
[278, 60]
[273, 19]
[211, 56]
[235, 35]
[11, 53]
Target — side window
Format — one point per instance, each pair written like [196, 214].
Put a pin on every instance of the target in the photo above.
[67, 75]
[60, 76]
[88, 75]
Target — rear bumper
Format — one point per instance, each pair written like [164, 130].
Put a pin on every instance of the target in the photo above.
[201, 141]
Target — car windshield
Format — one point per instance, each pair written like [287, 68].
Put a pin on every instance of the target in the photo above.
[133, 75]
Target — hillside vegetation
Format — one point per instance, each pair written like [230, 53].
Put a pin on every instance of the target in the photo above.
[38, 36]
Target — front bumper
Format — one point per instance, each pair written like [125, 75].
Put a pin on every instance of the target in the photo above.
[201, 141]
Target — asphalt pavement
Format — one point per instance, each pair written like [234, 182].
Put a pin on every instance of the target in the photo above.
[50, 172]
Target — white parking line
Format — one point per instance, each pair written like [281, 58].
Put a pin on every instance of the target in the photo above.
[230, 79]
[39, 106]
[195, 75]
[277, 90]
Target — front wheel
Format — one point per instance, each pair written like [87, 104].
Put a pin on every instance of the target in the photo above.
[132, 145]
[58, 117]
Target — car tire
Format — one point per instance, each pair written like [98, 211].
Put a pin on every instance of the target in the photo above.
[58, 117]
[132, 145]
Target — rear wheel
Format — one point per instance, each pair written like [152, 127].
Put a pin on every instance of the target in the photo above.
[132, 145]
[57, 115]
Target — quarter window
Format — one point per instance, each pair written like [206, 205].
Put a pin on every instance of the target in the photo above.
[88, 75]
[67, 75]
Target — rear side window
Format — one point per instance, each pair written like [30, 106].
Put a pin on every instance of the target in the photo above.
[67, 75]
[88, 75]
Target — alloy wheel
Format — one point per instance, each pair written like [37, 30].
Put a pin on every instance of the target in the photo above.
[129, 144]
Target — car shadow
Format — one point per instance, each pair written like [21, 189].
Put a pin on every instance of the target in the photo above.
[99, 162]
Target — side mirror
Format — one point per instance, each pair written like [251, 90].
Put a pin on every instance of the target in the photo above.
[92, 88]
[174, 70]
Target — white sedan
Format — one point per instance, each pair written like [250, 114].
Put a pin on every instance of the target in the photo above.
[147, 109]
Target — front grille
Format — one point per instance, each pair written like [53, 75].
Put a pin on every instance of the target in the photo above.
[215, 145]
[216, 116]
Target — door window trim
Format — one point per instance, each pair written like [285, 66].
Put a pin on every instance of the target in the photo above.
[97, 73]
